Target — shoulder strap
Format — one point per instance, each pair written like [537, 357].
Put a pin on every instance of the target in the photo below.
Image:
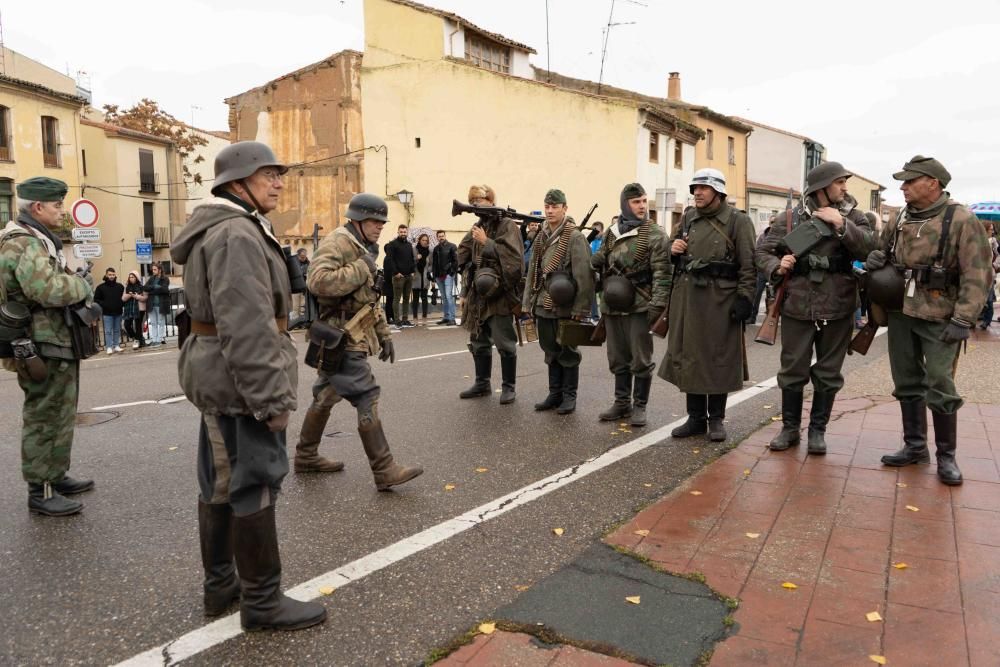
[949, 213]
[722, 232]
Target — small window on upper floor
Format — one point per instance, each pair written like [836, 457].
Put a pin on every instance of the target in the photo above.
[50, 142]
[710, 144]
[678, 154]
[732, 150]
[486, 53]
[6, 200]
[654, 146]
[5, 138]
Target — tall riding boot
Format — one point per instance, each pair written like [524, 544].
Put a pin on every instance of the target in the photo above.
[44, 499]
[555, 397]
[791, 421]
[215, 528]
[716, 417]
[640, 397]
[914, 436]
[571, 380]
[819, 417]
[263, 606]
[484, 369]
[946, 441]
[386, 471]
[508, 374]
[697, 421]
[307, 458]
[622, 406]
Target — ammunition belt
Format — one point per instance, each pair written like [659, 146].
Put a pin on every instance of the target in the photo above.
[208, 328]
[725, 270]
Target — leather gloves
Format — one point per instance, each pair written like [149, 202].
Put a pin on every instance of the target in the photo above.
[876, 260]
[955, 332]
[741, 310]
[388, 352]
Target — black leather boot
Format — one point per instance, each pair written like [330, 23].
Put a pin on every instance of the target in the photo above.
[622, 407]
[43, 499]
[791, 421]
[946, 442]
[263, 606]
[819, 417]
[386, 471]
[68, 486]
[555, 397]
[215, 529]
[484, 369]
[716, 417]
[571, 380]
[697, 421]
[508, 374]
[914, 436]
[640, 397]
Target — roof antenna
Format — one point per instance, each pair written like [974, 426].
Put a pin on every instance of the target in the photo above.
[607, 34]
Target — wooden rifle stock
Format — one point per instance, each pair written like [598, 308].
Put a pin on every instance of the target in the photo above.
[600, 332]
[768, 332]
[661, 325]
[862, 341]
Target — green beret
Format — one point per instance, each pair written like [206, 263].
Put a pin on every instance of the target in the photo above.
[923, 166]
[633, 190]
[42, 188]
[555, 196]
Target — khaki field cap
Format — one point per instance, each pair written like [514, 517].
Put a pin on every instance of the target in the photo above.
[42, 188]
[923, 166]
[555, 196]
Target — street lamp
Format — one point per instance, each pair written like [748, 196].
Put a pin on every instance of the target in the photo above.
[405, 198]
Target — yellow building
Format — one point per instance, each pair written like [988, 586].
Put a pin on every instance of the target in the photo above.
[39, 128]
[135, 180]
[867, 192]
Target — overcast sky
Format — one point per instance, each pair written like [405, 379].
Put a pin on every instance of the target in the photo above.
[875, 82]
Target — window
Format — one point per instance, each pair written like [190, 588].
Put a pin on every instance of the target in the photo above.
[6, 200]
[147, 220]
[678, 154]
[876, 200]
[50, 142]
[732, 150]
[486, 53]
[83, 159]
[654, 146]
[147, 178]
[4, 133]
[710, 144]
[652, 214]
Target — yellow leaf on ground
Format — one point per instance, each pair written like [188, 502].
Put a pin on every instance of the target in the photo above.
[746, 473]
[696, 493]
[901, 485]
[498, 391]
[789, 585]
[873, 617]
[466, 377]
[522, 587]
[641, 533]
[487, 628]
[558, 531]
[634, 599]
[877, 659]
[753, 536]
[768, 407]
[647, 485]
[776, 419]
[449, 487]
[695, 451]
[900, 566]
[912, 508]
[625, 430]
[482, 469]
[171, 448]
[326, 590]
[614, 433]
[623, 424]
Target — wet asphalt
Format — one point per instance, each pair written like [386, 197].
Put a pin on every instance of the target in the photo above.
[125, 575]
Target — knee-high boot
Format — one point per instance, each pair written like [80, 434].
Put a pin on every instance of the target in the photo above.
[914, 436]
[484, 370]
[215, 531]
[555, 397]
[946, 441]
[307, 458]
[716, 417]
[571, 381]
[386, 471]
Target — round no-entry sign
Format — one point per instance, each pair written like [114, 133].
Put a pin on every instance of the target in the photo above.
[84, 213]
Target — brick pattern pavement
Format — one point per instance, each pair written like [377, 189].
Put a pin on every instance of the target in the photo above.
[836, 527]
[511, 649]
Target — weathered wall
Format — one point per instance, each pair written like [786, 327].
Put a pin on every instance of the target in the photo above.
[861, 188]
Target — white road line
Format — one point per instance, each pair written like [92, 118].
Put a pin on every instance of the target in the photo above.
[207, 636]
[121, 405]
[432, 356]
[144, 355]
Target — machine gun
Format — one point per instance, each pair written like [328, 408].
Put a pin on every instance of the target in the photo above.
[457, 208]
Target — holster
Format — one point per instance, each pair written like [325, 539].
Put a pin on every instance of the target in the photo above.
[326, 347]
[81, 320]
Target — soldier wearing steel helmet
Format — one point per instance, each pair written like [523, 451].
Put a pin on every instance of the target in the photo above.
[238, 367]
[344, 278]
[710, 302]
[821, 297]
[943, 253]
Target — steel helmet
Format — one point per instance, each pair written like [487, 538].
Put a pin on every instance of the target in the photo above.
[823, 175]
[366, 206]
[619, 293]
[885, 287]
[242, 159]
[561, 288]
[713, 178]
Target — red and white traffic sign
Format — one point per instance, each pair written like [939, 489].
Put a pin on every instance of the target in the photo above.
[84, 213]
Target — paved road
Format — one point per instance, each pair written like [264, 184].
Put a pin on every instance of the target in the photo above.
[124, 576]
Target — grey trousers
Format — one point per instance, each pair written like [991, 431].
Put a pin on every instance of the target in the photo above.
[240, 462]
[496, 330]
[923, 367]
[565, 355]
[401, 288]
[630, 345]
[354, 382]
[798, 340]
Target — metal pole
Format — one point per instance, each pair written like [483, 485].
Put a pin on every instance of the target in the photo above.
[548, 50]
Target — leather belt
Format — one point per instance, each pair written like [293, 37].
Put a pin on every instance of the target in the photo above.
[208, 328]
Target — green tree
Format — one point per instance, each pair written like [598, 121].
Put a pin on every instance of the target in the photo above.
[148, 117]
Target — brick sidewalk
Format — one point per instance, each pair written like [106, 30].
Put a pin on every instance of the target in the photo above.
[511, 649]
[836, 527]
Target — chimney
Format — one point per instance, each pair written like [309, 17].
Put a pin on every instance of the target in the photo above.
[674, 86]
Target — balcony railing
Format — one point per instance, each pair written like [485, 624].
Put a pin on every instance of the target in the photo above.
[5, 153]
[148, 182]
[161, 236]
[51, 160]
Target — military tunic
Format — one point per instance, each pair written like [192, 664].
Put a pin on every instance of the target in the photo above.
[34, 273]
[922, 365]
[705, 350]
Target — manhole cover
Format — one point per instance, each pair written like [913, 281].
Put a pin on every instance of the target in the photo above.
[94, 418]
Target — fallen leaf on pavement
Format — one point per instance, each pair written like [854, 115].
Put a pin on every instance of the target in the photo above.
[466, 377]
[487, 628]
[900, 566]
[768, 407]
[171, 448]
[873, 617]
[776, 418]
[614, 433]
[647, 485]
[901, 485]
[326, 590]
[789, 585]
[623, 425]
[753, 536]
[634, 599]
[449, 487]
[641, 533]
[695, 451]
[877, 659]
[558, 531]
[498, 391]
[913, 508]
[522, 587]
[482, 469]
[696, 493]
[746, 473]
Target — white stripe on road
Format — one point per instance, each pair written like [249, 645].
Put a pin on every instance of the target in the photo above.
[432, 356]
[164, 401]
[144, 355]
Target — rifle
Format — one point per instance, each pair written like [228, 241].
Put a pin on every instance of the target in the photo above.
[662, 324]
[768, 332]
[863, 339]
[457, 208]
[586, 218]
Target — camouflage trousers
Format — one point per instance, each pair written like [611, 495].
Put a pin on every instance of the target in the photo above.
[49, 415]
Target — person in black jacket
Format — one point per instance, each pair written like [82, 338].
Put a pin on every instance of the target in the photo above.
[422, 276]
[134, 309]
[157, 288]
[108, 296]
[444, 266]
[400, 252]
[387, 286]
